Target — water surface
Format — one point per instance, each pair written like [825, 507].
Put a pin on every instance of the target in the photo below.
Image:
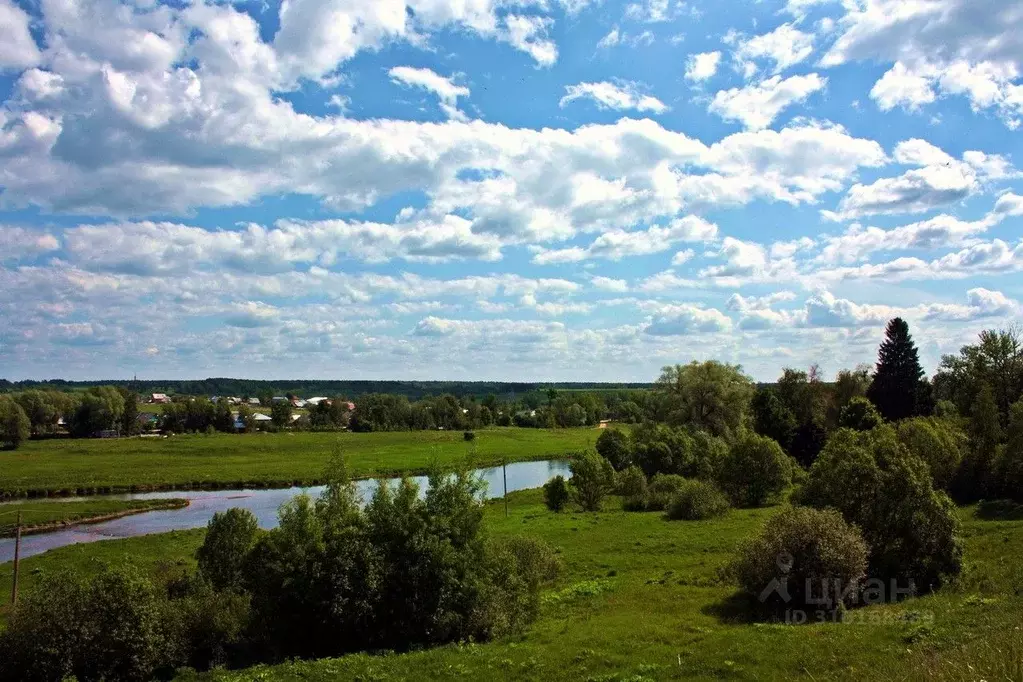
[262, 502]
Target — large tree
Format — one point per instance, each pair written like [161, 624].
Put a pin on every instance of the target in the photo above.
[709, 396]
[995, 360]
[896, 386]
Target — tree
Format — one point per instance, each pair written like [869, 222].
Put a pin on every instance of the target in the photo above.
[895, 388]
[848, 384]
[556, 493]
[230, 536]
[772, 418]
[130, 415]
[803, 394]
[593, 478]
[939, 442]
[1009, 468]
[280, 413]
[755, 470]
[15, 426]
[985, 432]
[245, 415]
[996, 360]
[807, 442]
[877, 484]
[696, 501]
[859, 414]
[40, 409]
[614, 446]
[710, 396]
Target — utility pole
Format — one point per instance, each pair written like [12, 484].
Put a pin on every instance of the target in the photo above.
[504, 474]
[17, 552]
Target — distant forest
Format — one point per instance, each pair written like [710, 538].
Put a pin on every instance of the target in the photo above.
[413, 390]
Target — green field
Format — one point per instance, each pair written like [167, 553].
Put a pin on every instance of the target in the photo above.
[640, 600]
[39, 515]
[260, 459]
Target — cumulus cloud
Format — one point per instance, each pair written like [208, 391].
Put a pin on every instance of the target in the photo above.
[444, 88]
[18, 50]
[756, 106]
[703, 66]
[618, 244]
[619, 96]
[17, 243]
[686, 319]
[785, 47]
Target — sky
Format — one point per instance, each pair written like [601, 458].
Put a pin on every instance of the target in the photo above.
[523, 190]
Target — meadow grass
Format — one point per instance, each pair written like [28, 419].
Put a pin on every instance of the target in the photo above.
[640, 599]
[84, 466]
[38, 515]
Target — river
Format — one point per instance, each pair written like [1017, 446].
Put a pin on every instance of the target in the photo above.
[203, 504]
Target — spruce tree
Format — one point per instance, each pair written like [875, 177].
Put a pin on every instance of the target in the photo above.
[896, 386]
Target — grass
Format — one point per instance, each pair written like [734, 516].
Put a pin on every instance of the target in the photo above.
[85, 466]
[640, 599]
[41, 515]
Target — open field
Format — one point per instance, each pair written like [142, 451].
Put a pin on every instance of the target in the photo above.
[261, 459]
[640, 599]
[39, 516]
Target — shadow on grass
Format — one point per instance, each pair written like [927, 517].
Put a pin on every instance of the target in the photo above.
[999, 510]
[737, 609]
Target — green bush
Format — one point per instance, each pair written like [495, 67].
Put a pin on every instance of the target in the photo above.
[112, 627]
[469, 436]
[230, 536]
[631, 482]
[876, 483]
[859, 414]
[210, 625]
[593, 478]
[614, 446]
[517, 569]
[755, 470]
[697, 500]
[662, 489]
[799, 551]
[15, 425]
[1009, 463]
[556, 493]
[938, 442]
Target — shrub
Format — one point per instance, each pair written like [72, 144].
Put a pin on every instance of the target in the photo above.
[614, 446]
[112, 627]
[15, 426]
[1000, 510]
[210, 625]
[230, 537]
[1009, 464]
[631, 482]
[797, 550]
[697, 500]
[936, 441]
[859, 414]
[555, 493]
[662, 489]
[660, 449]
[517, 568]
[593, 478]
[469, 435]
[877, 484]
[755, 470]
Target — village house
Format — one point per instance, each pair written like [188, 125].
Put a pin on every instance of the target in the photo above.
[159, 398]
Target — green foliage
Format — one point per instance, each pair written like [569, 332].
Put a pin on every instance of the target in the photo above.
[803, 394]
[709, 396]
[556, 493]
[848, 384]
[469, 436]
[939, 442]
[100, 408]
[895, 388]
[593, 478]
[975, 479]
[807, 443]
[696, 501]
[859, 414]
[280, 413]
[230, 536]
[15, 426]
[877, 484]
[772, 418]
[1009, 466]
[209, 625]
[996, 361]
[614, 446]
[755, 471]
[801, 548]
[662, 490]
[631, 482]
[112, 627]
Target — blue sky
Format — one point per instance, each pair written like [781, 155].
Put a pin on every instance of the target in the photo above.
[502, 189]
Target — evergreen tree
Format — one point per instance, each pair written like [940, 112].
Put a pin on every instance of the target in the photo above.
[895, 389]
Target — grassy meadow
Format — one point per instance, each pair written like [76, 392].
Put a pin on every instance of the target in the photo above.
[640, 599]
[39, 515]
[84, 466]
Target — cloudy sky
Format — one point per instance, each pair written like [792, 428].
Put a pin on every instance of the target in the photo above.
[502, 189]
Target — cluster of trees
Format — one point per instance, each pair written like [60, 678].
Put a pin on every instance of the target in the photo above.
[38, 413]
[405, 571]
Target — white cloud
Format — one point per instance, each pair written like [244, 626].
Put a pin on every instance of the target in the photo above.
[686, 319]
[609, 284]
[619, 96]
[701, 67]
[682, 257]
[901, 87]
[651, 11]
[612, 38]
[18, 50]
[17, 243]
[618, 244]
[444, 88]
[528, 33]
[786, 46]
[756, 106]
